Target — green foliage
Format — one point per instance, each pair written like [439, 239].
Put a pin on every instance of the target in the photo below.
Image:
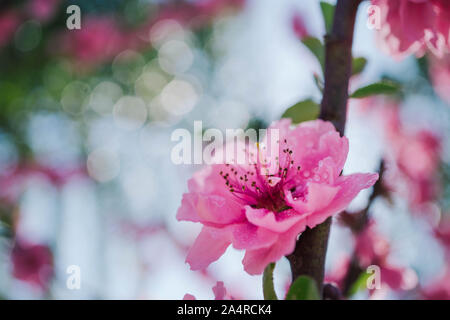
[358, 65]
[317, 49]
[319, 82]
[268, 288]
[302, 111]
[383, 87]
[303, 288]
[359, 284]
[328, 15]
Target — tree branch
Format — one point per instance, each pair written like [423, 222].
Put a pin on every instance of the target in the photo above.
[308, 257]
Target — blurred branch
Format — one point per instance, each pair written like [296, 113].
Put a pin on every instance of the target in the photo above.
[360, 221]
[308, 257]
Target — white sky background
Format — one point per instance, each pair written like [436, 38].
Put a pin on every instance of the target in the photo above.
[267, 70]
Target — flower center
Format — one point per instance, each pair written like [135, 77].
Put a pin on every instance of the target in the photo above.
[258, 187]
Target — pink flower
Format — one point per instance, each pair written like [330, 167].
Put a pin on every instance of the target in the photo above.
[438, 289]
[414, 157]
[373, 249]
[189, 296]
[32, 263]
[98, 41]
[9, 21]
[220, 293]
[12, 182]
[442, 233]
[440, 76]
[262, 208]
[412, 26]
[299, 27]
[370, 246]
[337, 275]
[43, 10]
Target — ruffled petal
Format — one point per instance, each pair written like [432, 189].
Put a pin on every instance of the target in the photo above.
[279, 222]
[255, 261]
[318, 197]
[314, 141]
[209, 209]
[349, 187]
[210, 244]
[248, 236]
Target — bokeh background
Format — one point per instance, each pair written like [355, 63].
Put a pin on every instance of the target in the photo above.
[85, 123]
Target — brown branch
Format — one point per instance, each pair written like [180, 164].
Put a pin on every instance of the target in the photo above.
[308, 257]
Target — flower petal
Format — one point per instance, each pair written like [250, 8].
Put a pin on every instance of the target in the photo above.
[248, 236]
[255, 261]
[279, 222]
[210, 209]
[318, 197]
[349, 187]
[210, 244]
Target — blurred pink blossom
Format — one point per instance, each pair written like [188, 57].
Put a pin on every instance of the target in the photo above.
[43, 10]
[198, 13]
[339, 271]
[440, 76]
[262, 208]
[372, 248]
[413, 158]
[32, 263]
[220, 293]
[13, 182]
[414, 26]
[98, 41]
[9, 22]
[299, 27]
[438, 289]
[442, 233]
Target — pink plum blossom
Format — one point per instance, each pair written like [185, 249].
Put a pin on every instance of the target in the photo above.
[414, 158]
[372, 248]
[220, 293]
[413, 26]
[439, 289]
[440, 76]
[299, 27]
[43, 10]
[412, 155]
[262, 208]
[98, 41]
[9, 22]
[32, 263]
[339, 271]
[13, 182]
[442, 233]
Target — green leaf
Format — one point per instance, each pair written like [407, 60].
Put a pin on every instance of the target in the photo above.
[317, 48]
[319, 82]
[359, 284]
[328, 15]
[303, 288]
[383, 87]
[302, 111]
[358, 65]
[268, 288]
